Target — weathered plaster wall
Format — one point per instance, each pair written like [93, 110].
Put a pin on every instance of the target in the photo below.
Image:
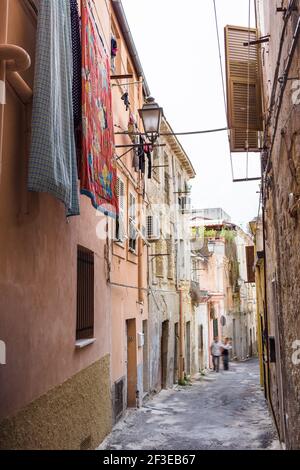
[66, 416]
[282, 230]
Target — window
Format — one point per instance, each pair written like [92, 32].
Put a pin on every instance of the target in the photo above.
[166, 180]
[170, 258]
[120, 226]
[159, 260]
[132, 222]
[215, 327]
[85, 294]
[116, 61]
[156, 163]
[153, 227]
[179, 189]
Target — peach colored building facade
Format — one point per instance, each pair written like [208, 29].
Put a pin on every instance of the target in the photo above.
[128, 263]
[224, 299]
[46, 366]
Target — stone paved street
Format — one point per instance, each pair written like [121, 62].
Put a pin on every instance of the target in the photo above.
[218, 411]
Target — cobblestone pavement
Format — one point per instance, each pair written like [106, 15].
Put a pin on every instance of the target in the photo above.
[218, 411]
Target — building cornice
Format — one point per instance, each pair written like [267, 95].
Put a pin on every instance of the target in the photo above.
[177, 148]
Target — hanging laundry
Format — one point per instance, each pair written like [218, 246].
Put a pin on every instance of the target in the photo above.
[76, 50]
[132, 128]
[52, 161]
[114, 47]
[77, 81]
[125, 98]
[148, 150]
[98, 169]
[135, 159]
[142, 159]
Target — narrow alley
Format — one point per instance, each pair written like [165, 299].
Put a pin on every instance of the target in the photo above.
[150, 226]
[217, 411]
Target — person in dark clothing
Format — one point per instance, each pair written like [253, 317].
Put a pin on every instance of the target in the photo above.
[225, 353]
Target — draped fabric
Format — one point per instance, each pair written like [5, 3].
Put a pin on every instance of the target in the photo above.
[77, 81]
[76, 50]
[52, 162]
[98, 168]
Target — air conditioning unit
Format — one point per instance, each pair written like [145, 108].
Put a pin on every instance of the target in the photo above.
[153, 228]
[141, 340]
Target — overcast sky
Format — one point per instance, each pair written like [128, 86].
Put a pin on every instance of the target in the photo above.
[177, 44]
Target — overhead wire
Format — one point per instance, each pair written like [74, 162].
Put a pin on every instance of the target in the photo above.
[223, 84]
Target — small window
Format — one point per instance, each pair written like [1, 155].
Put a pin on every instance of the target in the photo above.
[159, 260]
[156, 163]
[166, 179]
[132, 223]
[170, 258]
[85, 294]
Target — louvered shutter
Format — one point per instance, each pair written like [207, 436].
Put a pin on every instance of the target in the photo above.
[250, 263]
[243, 82]
[238, 139]
[120, 225]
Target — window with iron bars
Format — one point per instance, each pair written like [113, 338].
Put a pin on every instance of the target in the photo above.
[85, 294]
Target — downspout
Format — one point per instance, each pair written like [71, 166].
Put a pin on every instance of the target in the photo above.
[140, 214]
[3, 40]
[181, 336]
[140, 252]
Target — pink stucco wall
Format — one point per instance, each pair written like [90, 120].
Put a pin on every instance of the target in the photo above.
[38, 259]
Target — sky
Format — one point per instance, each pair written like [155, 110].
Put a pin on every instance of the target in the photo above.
[177, 45]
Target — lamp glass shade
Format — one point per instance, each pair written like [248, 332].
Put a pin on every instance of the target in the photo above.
[151, 115]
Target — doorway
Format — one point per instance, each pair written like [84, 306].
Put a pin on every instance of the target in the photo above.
[188, 347]
[131, 363]
[164, 353]
[201, 348]
[251, 343]
[145, 358]
[176, 352]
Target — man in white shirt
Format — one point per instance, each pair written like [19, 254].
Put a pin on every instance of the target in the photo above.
[216, 352]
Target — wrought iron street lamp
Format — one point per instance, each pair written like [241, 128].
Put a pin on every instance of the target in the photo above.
[151, 115]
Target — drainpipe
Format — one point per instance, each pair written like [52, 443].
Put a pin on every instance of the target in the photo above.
[181, 337]
[140, 214]
[140, 253]
[3, 40]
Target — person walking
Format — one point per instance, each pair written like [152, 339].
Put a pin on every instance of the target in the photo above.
[225, 353]
[216, 352]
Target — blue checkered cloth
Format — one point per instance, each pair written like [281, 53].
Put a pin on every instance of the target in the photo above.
[52, 163]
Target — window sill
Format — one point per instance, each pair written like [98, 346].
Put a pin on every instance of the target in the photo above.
[119, 243]
[82, 343]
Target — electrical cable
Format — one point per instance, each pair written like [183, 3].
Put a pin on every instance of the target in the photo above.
[208, 131]
[223, 85]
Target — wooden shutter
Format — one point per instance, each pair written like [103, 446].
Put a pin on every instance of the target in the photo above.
[250, 263]
[238, 139]
[85, 294]
[240, 63]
